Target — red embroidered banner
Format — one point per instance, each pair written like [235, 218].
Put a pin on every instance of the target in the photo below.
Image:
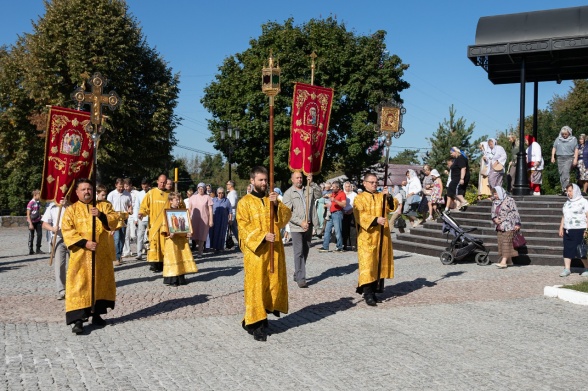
[311, 111]
[68, 152]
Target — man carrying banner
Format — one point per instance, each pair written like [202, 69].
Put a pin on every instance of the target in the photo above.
[264, 292]
[301, 200]
[374, 251]
[77, 235]
[154, 204]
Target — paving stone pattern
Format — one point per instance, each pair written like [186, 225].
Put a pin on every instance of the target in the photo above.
[458, 327]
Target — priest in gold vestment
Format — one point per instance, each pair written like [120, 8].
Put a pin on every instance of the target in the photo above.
[77, 236]
[367, 208]
[264, 292]
[154, 204]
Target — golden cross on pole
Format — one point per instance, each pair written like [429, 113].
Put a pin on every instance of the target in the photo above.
[96, 99]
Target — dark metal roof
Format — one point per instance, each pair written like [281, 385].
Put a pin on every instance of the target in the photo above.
[554, 44]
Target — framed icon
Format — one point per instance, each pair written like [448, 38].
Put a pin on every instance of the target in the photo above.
[178, 221]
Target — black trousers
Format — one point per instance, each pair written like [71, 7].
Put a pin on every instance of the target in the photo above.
[38, 228]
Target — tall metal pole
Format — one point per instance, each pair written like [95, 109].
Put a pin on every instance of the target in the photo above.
[384, 200]
[535, 110]
[521, 185]
[271, 178]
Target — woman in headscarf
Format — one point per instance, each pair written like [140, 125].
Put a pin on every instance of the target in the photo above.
[581, 161]
[436, 193]
[221, 212]
[572, 227]
[201, 215]
[564, 147]
[505, 217]
[496, 161]
[460, 177]
[413, 194]
[483, 188]
[534, 164]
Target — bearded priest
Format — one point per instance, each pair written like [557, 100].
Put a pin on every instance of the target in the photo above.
[77, 235]
[265, 292]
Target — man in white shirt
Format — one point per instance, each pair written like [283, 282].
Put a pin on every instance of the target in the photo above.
[131, 235]
[140, 224]
[233, 198]
[52, 224]
[121, 203]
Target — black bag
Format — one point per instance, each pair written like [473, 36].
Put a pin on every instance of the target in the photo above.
[423, 205]
[230, 243]
[582, 250]
[400, 223]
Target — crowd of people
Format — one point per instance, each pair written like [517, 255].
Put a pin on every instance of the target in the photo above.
[162, 224]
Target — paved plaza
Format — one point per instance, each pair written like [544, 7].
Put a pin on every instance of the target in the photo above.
[458, 327]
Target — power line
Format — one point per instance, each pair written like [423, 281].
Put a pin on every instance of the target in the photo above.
[195, 150]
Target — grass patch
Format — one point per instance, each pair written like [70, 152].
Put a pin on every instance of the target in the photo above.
[582, 287]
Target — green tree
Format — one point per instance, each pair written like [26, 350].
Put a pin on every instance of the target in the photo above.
[359, 69]
[408, 156]
[77, 37]
[453, 132]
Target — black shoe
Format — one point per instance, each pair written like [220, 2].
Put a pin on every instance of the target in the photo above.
[40, 252]
[339, 250]
[370, 300]
[78, 327]
[98, 321]
[376, 299]
[259, 334]
[323, 250]
[31, 252]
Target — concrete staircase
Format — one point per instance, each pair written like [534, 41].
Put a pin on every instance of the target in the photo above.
[540, 217]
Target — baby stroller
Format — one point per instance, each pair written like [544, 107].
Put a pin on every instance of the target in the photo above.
[463, 244]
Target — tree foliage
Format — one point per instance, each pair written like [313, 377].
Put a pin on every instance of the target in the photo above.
[359, 69]
[408, 156]
[452, 132]
[77, 37]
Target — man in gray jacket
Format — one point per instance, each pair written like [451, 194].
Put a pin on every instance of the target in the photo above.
[300, 201]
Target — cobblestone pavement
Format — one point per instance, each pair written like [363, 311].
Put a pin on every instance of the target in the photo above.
[459, 327]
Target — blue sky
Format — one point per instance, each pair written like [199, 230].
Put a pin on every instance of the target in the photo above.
[432, 36]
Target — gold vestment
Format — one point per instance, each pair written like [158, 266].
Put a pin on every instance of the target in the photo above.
[366, 208]
[264, 291]
[177, 259]
[77, 225]
[153, 205]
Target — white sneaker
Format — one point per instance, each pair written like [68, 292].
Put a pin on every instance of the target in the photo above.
[430, 218]
[536, 193]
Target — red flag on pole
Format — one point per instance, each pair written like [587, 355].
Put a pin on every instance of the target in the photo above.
[311, 111]
[68, 152]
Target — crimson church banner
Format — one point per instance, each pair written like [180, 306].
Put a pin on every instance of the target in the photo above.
[68, 152]
[311, 111]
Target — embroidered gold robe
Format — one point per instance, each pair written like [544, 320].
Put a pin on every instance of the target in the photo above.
[154, 205]
[366, 208]
[263, 290]
[77, 225]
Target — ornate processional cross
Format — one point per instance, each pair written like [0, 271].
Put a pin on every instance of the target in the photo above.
[96, 99]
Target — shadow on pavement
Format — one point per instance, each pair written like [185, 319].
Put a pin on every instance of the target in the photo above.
[406, 287]
[137, 280]
[212, 273]
[310, 314]
[333, 272]
[159, 308]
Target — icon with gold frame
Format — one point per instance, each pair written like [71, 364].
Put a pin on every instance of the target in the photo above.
[178, 221]
[390, 119]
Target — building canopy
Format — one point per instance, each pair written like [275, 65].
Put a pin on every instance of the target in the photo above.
[553, 44]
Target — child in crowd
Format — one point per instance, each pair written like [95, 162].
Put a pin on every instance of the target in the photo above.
[177, 257]
[101, 195]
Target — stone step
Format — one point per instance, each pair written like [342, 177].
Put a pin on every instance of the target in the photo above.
[489, 243]
[541, 224]
[533, 237]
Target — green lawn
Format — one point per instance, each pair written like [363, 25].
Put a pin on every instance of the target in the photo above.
[582, 287]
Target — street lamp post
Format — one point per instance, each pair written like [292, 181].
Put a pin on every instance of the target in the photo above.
[232, 133]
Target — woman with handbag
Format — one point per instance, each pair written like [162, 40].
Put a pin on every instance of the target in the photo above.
[507, 220]
[572, 227]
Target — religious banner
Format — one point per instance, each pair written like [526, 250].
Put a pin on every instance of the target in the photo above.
[68, 152]
[311, 111]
